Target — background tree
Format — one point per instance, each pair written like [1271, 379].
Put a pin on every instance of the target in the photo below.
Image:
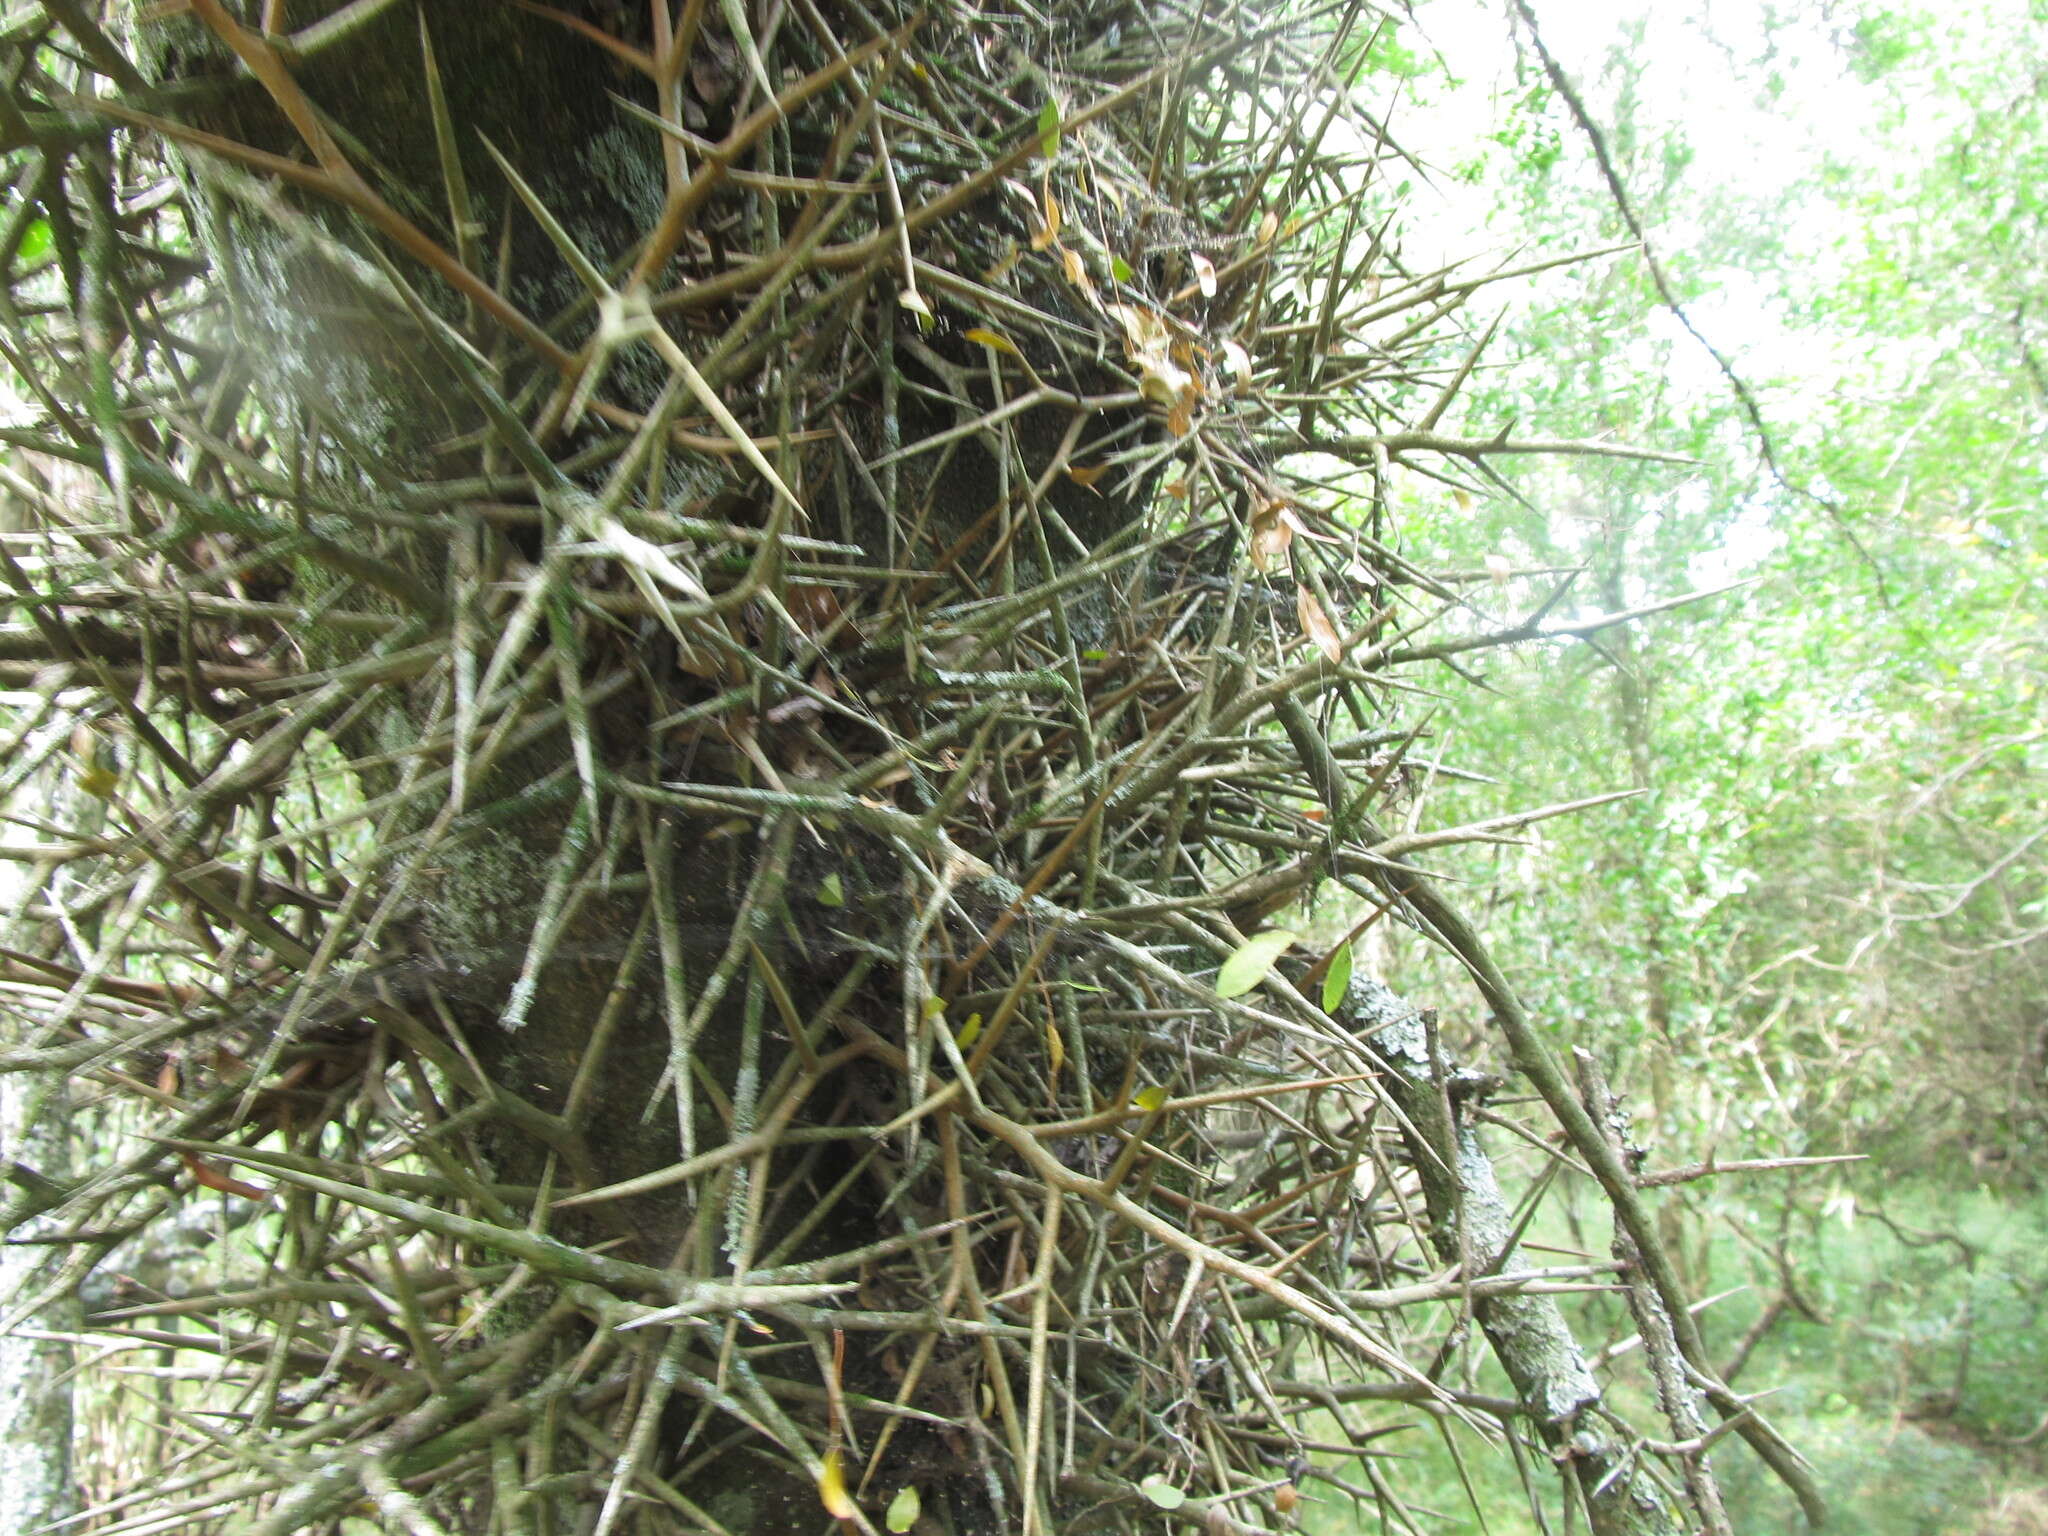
[1818, 931]
[707, 639]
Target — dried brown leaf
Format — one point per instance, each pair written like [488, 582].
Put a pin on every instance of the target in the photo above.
[1316, 624]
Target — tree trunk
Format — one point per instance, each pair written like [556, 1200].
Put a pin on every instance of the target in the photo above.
[36, 1484]
[515, 944]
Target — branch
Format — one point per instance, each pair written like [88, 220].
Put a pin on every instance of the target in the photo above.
[1533, 628]
[1393, 444]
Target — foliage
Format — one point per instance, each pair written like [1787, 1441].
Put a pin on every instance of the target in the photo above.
[1835, 761]
[1821, 926]
[693, 696]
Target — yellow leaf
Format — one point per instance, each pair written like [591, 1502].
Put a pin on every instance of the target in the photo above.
[832, 1489]
[989, 338]
[969, 1032]
[1049, 222]
[1086, 474]
[1055, 1048]
[1077, 272]
[97, 773]
[1316, 624]
[1269, 226]
[1149, 1099]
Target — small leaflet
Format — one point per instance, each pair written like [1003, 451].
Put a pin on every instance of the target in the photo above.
[903, 1510]
[1248, 965]
[1337, 979]
[1049, 129]
[1160, 1493]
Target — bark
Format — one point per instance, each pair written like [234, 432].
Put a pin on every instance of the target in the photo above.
[36, 1484]
[1472, 1225]
[36, 1487]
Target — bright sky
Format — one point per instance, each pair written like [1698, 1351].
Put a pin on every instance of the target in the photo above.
[1761, 109]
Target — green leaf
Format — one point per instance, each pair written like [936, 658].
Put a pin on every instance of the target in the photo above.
[1162, 1494]
[903, 1510]
[831, 892]
[35, 240]
[1149, 1099]
[1254, 958]
[1337, 979]
[1119, 269]
[969, 1032]
[1049, 129]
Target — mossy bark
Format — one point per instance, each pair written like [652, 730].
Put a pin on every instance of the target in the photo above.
[1472, 1225]
[321, 352]
[36, 1365]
